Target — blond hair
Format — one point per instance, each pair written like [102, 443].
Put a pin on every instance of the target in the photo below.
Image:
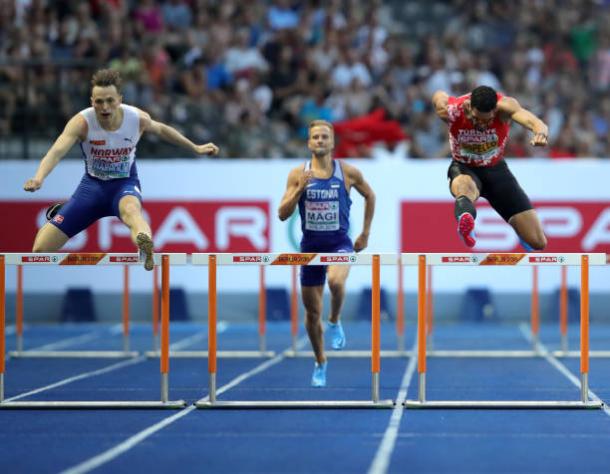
[321, 123]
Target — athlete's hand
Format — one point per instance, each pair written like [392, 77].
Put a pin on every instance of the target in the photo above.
[539, 139]
[361, 242]
[207, 149]
[32, 185]
[304, 179]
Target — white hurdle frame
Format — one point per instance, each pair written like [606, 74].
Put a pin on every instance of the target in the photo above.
[521, 259]
[375, 260]
[165, 260]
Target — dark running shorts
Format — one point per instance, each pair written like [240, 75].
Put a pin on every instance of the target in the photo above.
[92, 200]
[496, 184]
[315, 275]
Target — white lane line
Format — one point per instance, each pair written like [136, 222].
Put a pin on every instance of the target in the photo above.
[76, 378]
[544, 352]
[382, 458]
[93, 373]
[264, 366]
[126, 445]
[200, 336]
[133, 441]
[63, 343]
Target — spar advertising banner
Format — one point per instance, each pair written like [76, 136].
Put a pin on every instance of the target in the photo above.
[215, 205]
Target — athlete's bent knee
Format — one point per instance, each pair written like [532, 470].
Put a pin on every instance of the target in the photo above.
[335, 285]
[39, 247]
[539, 243]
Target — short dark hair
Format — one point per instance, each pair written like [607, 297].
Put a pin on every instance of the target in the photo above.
[107, 78]
[484, 98]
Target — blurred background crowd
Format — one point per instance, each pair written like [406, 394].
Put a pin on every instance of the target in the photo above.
[250, 75]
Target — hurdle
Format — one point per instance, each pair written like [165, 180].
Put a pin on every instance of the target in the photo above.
[262, 352]
[214, 260]
[453, 259]
[21, 353]
[93, 259]
[355, 353]
[542, 259]
[563, 324]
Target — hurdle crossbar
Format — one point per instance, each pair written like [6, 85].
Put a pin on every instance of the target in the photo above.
[458, 259]
[20, 260]
[93, 259]
[511, 259]
[214, 260]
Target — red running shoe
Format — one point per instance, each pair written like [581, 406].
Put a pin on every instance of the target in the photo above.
[466, 229]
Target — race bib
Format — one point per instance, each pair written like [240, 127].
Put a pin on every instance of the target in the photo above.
[322, 216]
[117, 168]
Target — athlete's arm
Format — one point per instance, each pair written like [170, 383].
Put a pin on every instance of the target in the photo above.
[356, 179]
[172, 135]
[295, 185]
[524, 117]
[76, 129]
[440, 99]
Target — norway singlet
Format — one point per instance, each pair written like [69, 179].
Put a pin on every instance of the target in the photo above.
[111, 154]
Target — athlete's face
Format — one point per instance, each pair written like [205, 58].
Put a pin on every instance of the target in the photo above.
[321, 140]
[105, 101]
[481, 120]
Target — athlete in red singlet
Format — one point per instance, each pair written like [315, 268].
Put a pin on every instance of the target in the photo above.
[479, 125]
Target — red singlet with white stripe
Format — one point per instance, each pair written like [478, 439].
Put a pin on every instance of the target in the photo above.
[471, 146]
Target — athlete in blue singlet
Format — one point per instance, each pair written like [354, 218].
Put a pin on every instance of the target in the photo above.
[321, 188]
[108, 133]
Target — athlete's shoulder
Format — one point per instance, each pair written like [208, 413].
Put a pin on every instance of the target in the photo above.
[508, 105]
[455, 106]
[351, 172]
[77, 125]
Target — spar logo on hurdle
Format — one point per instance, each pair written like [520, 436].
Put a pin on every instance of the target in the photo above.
[251, 259]
[124, 259]
[39, 259]
[547, 259]
[338, 258]
[459, 259]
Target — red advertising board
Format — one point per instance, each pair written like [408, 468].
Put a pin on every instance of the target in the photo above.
[429, 226]
[178, 226]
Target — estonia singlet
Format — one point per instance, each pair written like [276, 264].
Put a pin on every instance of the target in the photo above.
[471, 146]
[324, 207]
[111, 154]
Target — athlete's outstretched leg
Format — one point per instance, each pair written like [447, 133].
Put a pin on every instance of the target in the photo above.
[49, 239]
[466, 193]
[337, 275]
[529, 229]
[130, 211]
[312, 300]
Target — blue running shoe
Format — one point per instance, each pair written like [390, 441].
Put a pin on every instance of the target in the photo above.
[525, 245]
[337, 336]
[318, 378]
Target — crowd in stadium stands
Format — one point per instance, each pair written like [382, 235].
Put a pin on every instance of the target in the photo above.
[250, 75]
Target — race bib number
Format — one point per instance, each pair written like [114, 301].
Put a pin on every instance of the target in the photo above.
[118, 168]
[322, 216]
